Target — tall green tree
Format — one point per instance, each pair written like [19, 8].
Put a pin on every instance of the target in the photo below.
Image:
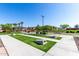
[43, 29]
[64, 26]
[14, 25]
[7, 27]
[76, 26]
[38, 29]
[47, 28]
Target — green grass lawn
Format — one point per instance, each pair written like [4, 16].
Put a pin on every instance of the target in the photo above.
[58, 38]
[40, 35]
[30, 41]
[4, 33]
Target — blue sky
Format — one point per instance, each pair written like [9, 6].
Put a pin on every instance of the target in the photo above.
[30, 14]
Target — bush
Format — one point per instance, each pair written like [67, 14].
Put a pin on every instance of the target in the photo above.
[37, 32]
[72, 32]
[67, 31]
[43, 32]
[77, 31]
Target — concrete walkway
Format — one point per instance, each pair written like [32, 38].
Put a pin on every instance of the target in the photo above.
[54, 40]
[3, 51]
[19, 48]
[66, 47]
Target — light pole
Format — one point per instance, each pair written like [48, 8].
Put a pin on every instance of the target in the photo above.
[42, 20]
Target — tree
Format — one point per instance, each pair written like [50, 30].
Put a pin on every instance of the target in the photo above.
[14, 25]
[60, 30]
[64, 26]
[38, 29]
[76, 26]
[7, 27]
[21, 25]
[55, 29]
[43, 29]
[47, 28]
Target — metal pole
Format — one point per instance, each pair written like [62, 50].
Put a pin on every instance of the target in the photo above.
[42, 20]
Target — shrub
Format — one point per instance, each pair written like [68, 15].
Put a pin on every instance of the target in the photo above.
[77, 31]
[67, 31]
[72, 32]
[43, 32]
[37, 32]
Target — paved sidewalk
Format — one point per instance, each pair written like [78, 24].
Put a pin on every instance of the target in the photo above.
[40, 37]
[77, 41]
[18, 48]
[3, 51]
[66, 47]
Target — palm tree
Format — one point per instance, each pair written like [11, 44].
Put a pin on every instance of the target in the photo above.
[7, 27]
[21, 23]
[19, 26]
[14, 27]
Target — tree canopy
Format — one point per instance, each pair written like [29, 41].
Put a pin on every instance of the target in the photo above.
[76, 26]
[64, 26]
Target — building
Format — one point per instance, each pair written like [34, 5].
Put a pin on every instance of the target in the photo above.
[28, 29]
[72, 28]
